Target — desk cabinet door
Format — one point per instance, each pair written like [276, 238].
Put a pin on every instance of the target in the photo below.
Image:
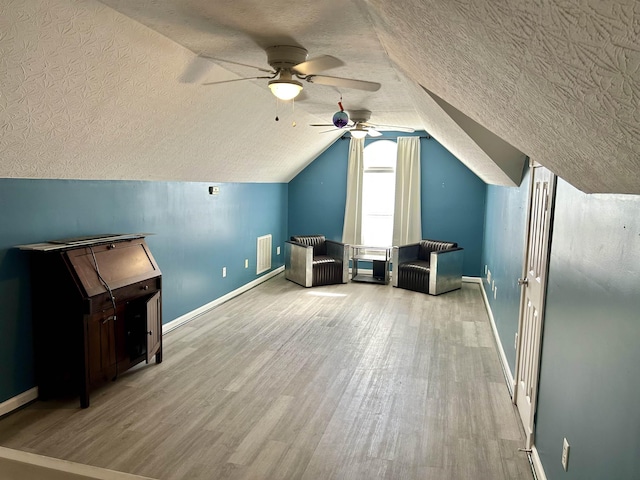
[154, 327]
[102, 347]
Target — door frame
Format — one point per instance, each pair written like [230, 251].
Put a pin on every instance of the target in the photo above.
[530, 429]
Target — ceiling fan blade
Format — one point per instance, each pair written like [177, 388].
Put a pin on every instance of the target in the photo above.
[318, 64]
[390, 128]
[197, 68]
[216, 59]
[372, 132]
[321, 125]
[232, 80]
[344, 82]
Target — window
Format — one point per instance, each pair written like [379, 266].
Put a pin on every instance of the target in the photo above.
[378, 193]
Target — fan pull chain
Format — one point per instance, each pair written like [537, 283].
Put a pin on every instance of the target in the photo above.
[293, 108]
[277, 118]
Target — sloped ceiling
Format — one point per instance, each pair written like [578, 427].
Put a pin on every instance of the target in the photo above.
[558, 80]
[93, 89]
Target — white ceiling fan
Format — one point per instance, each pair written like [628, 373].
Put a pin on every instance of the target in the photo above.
[359, 125]
[289, 67]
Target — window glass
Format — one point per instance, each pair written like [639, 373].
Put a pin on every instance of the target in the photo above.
[378, 193]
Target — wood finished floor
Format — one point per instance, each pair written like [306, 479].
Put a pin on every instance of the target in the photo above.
[352, 381]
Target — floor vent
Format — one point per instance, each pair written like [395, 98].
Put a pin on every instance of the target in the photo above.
[264, 254]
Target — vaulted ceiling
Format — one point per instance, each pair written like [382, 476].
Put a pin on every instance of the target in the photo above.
[99, 90]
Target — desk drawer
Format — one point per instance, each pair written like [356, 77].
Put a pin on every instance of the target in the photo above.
[102, 302]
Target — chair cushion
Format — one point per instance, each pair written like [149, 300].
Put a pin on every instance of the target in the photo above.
[414, 275]
[326, 270]
[315, 241]
[428, 246]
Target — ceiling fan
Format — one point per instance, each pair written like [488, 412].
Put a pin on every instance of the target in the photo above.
[359, 125]
[290, 66]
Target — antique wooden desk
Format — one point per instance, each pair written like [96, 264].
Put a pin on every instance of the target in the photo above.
[97, 311]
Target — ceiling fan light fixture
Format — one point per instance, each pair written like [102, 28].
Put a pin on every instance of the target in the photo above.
[358, 133]
[285, 89]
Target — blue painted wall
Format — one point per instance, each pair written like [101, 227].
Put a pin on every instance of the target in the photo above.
[453, 198]
[504, 243]
[590, 380]
[453, 203]
[317, 195]
[196, 234]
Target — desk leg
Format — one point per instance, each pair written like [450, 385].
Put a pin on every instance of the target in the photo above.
[84, 398]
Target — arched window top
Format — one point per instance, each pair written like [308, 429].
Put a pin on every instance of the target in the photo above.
[380, 154]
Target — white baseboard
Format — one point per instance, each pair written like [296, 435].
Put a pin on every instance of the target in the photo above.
[472, 279]
[503, 357]
[173, 324]
[537, 464]
[18, 401]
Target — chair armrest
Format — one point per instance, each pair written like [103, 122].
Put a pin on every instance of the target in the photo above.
[337, 250]
[298, 263]
[340, 251]
[401, 254]
[408, 252]
[445, 270]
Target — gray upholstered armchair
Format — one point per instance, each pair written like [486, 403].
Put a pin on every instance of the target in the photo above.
[429, 266]
[312, 260]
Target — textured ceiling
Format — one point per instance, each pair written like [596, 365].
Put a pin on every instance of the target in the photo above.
[94, 90]
[559, 80]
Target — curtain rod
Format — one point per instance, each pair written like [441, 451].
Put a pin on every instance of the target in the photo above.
[348, 137]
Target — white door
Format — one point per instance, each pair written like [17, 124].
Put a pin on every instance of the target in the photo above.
[534, 284]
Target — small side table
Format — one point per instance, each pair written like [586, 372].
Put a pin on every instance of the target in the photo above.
[379, 259]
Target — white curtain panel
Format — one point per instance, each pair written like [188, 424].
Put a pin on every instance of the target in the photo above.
[352, 228]
[407, 223]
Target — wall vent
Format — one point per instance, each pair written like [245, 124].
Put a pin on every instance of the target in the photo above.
[264, 254]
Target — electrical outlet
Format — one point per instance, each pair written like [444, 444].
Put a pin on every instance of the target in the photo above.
[565, 455]
[246, 263]
[278, 250]
[224, 272]
[495, 292]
